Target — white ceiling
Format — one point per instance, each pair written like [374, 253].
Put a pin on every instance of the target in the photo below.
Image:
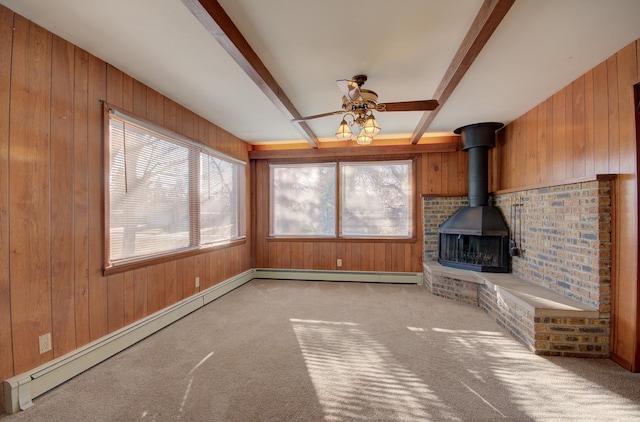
[404, 47]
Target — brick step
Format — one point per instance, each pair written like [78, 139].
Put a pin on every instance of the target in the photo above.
[547, 322]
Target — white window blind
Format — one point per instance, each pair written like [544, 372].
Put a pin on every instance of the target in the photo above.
[167, 194]
[303, 199]
[376, 199]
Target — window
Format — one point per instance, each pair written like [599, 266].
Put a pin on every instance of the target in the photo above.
[167, 194]
[374, 200]
[303, 199]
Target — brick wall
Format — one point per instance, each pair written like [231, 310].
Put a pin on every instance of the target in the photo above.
[566, 239]
[572, 337]
[436, 210]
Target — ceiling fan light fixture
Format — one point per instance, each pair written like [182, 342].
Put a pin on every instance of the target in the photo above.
[343, 131]
[357, 106]
[363, 138]
[371, 127]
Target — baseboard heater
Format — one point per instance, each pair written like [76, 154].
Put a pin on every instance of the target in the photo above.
[21, 389]
[327, 275]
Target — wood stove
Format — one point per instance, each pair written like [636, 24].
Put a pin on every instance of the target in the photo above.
[476, 237]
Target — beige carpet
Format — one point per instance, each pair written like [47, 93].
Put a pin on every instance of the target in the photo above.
[310, 351]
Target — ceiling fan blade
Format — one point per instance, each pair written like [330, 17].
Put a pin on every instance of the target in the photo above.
[422, 105]
[350, 89]
[315, 116]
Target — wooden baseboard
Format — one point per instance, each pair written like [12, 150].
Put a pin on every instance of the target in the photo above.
[622, 362]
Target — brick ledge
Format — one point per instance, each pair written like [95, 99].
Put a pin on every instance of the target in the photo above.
[537, 299]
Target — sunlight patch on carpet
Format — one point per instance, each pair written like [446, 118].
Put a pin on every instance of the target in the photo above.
[493, 358]
[354, 376]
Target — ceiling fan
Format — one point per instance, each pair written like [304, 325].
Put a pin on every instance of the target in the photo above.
[358, 105]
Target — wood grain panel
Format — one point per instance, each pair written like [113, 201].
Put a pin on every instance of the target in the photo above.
[520, 156]
[115, 283]
[559, 136]
[115, 84]
[29, 208]
[62, 188]
[308, 255]
[170, 115]
[504, 145]
[155, 106]
[627, 320]
[272, 252]
[172, 294]
[627, 76]
[297, 256]
[203, 127]
[127, 92]
[579, 128]
[444, 172]
[530, 135]
[325, 260]
[367, 256]
[601, 119]
[115, 302]
[548, 174]
[512, 149]
[81, 197]
[453, 173]
[139, 99]
[186, 269]
[6, 343]
[568, 131]
[156, 288]
[179, 121]
[636, 357]
[202, 271]
[434, 175]
[129, 298]
[189, 125]
[97, 92]
[540, 140]
[589, 109]
[216, 268]
[380, 257]
[614, 122]
[140, 293]
[284, 250]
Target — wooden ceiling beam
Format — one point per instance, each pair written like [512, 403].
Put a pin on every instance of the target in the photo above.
[486, 21]
[352, 152]
[216, 21]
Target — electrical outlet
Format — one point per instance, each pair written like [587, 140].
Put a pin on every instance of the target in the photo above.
[197, 282]
[45, 343]
[339, 263]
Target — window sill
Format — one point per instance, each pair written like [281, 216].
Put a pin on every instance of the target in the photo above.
[146, 262]
[342, 239]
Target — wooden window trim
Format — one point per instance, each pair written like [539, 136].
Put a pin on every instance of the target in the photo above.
[415, 210]
[172, 256]
[194, 205]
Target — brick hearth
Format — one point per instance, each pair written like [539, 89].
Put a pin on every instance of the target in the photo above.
[557, 300]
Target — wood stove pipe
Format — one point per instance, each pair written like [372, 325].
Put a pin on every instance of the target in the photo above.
[477, 139]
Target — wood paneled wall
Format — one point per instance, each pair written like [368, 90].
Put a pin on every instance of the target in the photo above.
[443, 173]
[588, 128]
[51, 196]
